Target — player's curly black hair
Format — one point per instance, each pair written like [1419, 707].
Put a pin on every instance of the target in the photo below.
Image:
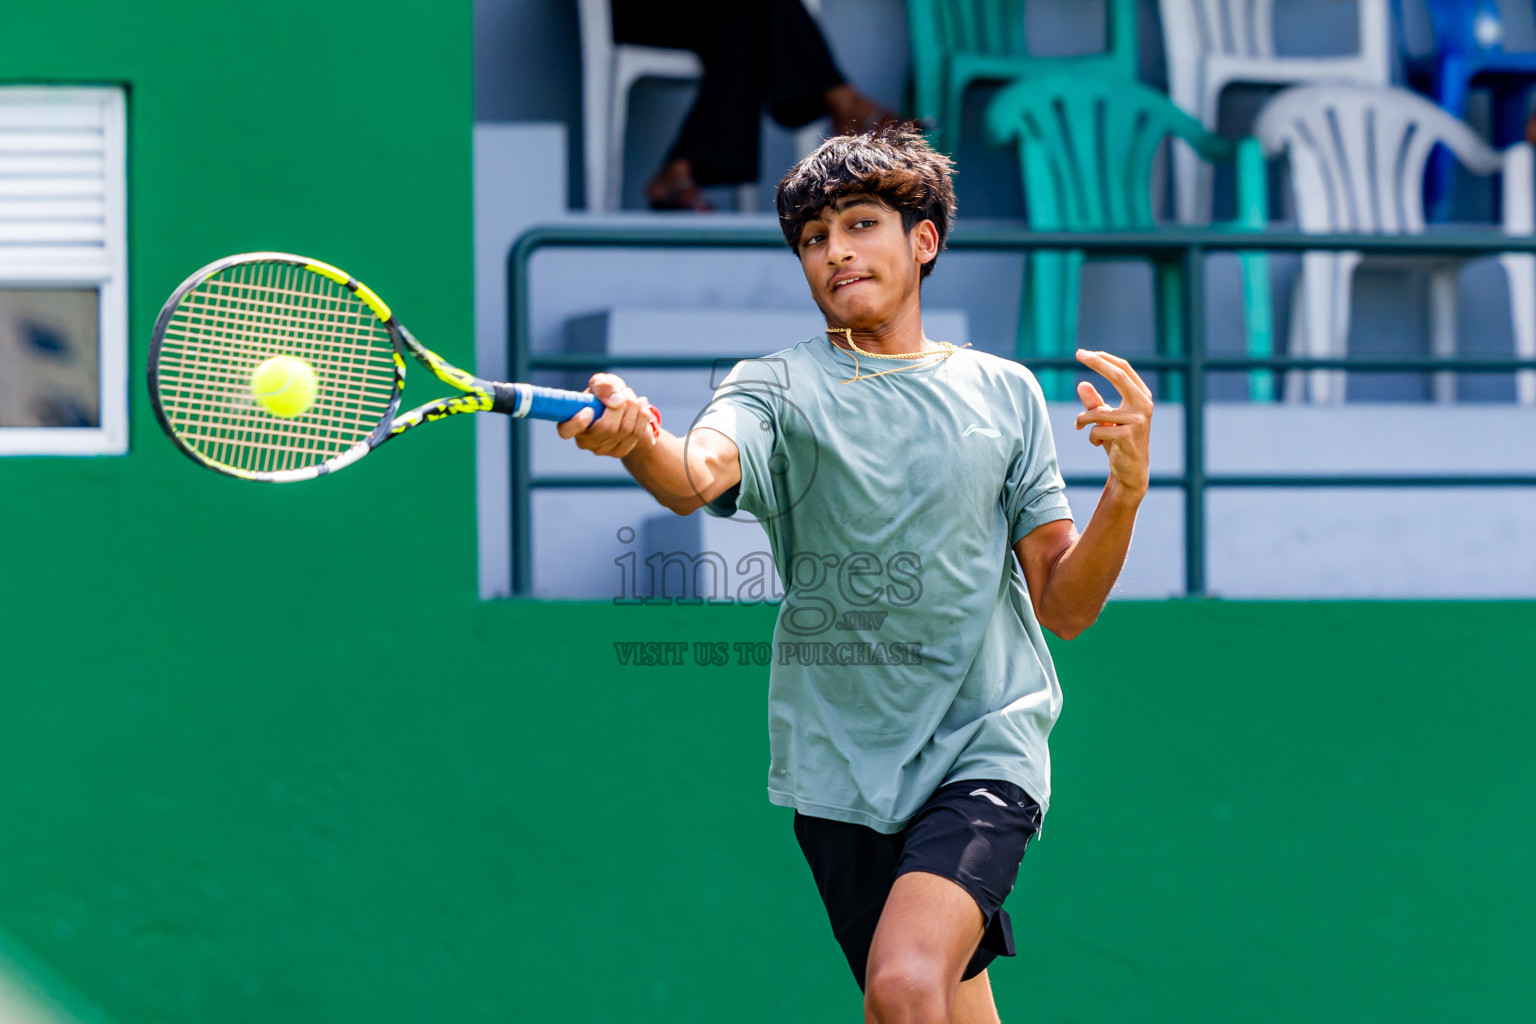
[895, 165]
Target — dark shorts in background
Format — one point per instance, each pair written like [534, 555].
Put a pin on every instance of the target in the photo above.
[971, 832]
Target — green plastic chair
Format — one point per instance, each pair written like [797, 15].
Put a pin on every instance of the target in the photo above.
[1086, 146]
[958, 43]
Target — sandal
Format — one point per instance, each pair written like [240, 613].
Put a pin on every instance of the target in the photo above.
[676, 190]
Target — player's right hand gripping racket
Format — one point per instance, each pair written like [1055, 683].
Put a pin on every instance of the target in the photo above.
[234, 314]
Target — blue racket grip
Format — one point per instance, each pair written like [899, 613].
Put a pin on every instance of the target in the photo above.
[560, 405]
[540, 403]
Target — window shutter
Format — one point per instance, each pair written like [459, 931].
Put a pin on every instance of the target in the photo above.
[63, 226]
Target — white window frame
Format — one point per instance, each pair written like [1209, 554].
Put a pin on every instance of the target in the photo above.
[102, 268]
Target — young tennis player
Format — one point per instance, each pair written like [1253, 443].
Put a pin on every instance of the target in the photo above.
[894, 475]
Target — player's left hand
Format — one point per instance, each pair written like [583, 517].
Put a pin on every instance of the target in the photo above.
[1122, 432]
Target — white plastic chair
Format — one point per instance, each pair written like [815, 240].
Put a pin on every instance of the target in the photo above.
[1211, 44]
[1357, 160]
[609, 71]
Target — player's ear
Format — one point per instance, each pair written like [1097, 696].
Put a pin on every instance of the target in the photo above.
[925, 241]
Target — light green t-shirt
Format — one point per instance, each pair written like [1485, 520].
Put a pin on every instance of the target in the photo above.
[906, 653]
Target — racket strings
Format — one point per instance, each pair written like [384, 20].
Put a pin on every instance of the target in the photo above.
[929, 358]
[221, 356]
[238, 424]
[228, 339]
[228, 325]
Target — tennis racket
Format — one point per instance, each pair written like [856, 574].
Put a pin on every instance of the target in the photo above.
[228, 318]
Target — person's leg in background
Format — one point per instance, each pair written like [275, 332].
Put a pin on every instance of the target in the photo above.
[804, 82]
[752, 51]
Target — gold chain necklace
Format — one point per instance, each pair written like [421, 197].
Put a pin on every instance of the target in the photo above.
[945, 351]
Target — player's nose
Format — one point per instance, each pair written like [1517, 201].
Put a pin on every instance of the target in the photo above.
[838, 254]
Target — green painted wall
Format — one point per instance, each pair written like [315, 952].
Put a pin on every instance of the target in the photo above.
[339, 130]
[1263, 813]
[263, 757]
[157, 621]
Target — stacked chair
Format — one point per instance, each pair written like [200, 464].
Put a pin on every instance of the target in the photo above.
[960, 43]
[1211, 44]
[1086, 146]
[1358, 150]
[1357, 160]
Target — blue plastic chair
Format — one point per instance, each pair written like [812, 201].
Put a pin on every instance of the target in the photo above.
[1469, 54]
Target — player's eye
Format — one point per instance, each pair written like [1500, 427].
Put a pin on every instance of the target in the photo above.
[866, 222]
[811, 240]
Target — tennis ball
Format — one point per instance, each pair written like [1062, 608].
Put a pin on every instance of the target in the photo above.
[284, 385]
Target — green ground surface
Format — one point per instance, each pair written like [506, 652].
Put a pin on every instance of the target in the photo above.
[1263, 812]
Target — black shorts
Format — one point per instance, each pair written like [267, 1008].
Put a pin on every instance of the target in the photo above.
[970, 832]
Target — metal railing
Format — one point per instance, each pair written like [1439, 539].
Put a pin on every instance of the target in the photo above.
[1189, 246]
